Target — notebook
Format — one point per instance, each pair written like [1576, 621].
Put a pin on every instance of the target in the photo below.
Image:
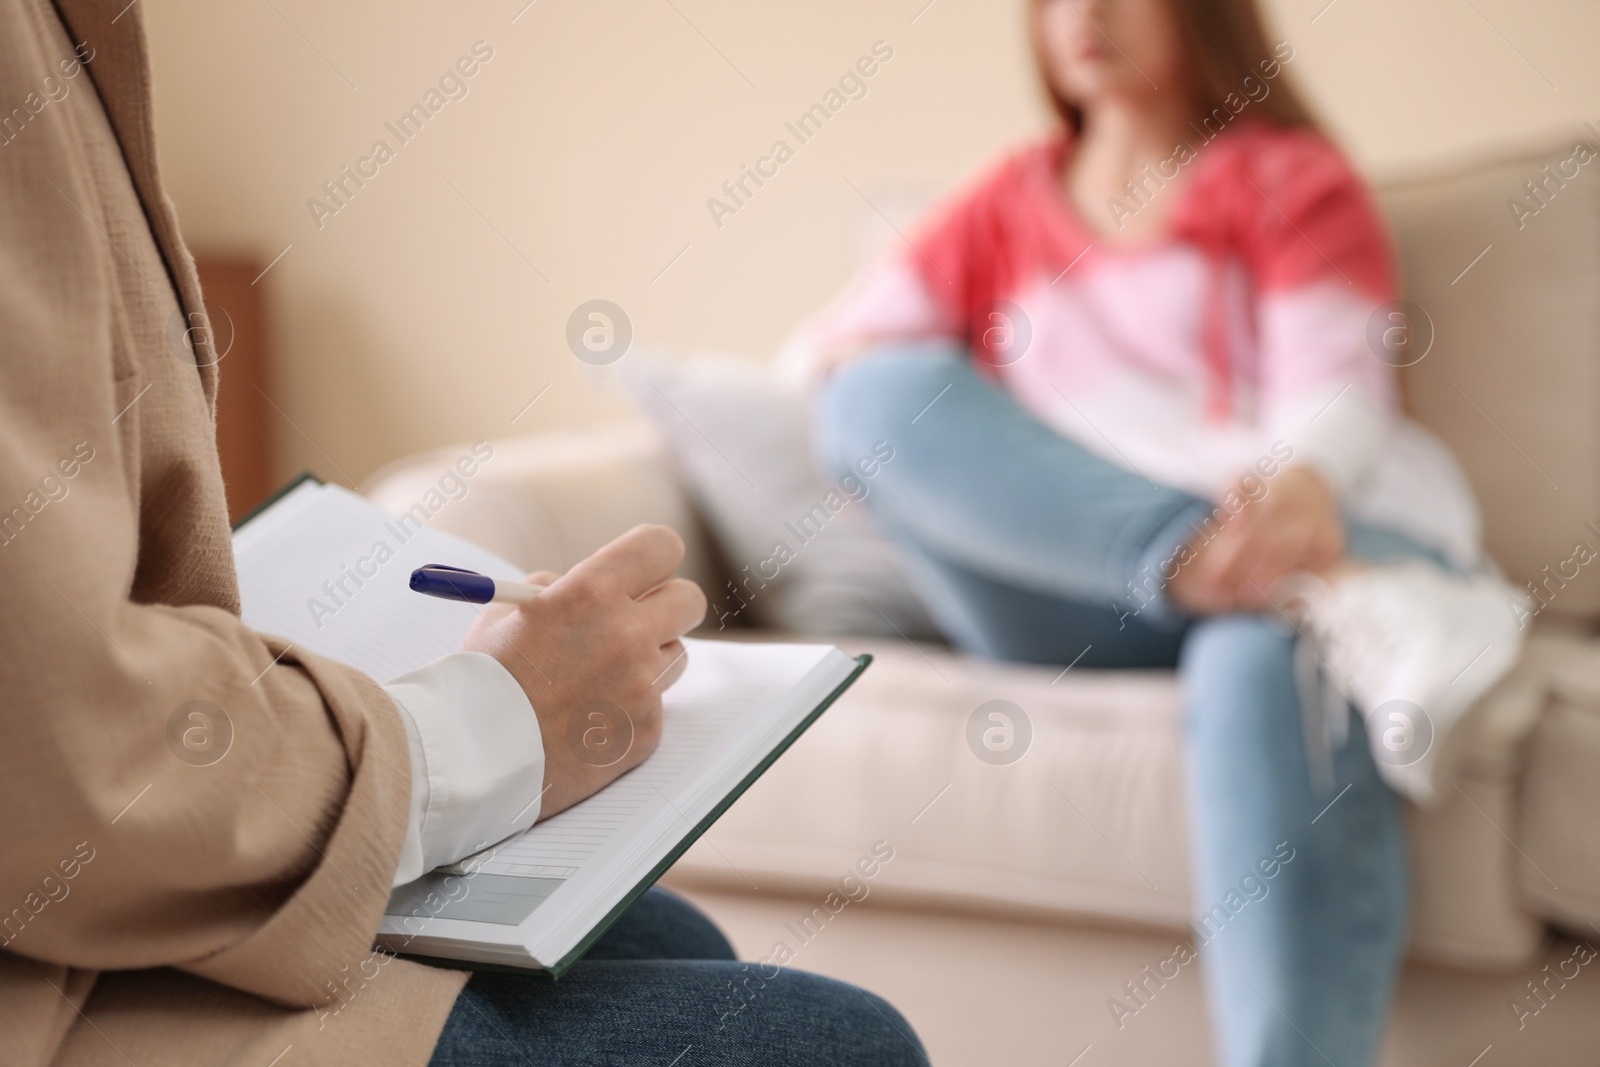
[328, 570]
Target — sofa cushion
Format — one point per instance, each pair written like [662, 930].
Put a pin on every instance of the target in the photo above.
[546, 502]
[803, 554]
[1000, 837]
[1558, 863]
[1089, 822]
[1512, 381]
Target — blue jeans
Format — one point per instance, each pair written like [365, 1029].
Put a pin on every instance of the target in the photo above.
[1028, 547]
[660, 983]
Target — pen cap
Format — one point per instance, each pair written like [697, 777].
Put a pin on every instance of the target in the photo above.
[453, 584]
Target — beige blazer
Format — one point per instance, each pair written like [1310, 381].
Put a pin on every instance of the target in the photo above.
[154, 909]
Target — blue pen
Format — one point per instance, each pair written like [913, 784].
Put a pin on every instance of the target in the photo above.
[454, 583]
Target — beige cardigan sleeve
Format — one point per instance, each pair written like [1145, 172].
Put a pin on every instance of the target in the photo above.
[268, 869]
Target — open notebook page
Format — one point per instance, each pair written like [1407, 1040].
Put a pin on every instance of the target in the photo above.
[330, 571]
[536, 895]
[530, 899]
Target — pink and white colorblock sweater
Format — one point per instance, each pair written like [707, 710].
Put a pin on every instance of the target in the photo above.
[1189, 356]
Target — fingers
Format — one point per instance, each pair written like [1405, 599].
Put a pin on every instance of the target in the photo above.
[1262, 548]
[673, 609]
[1206, 596]
[636, 562]
[1217, 559]
[1285, 544]
[1233, 571]
[1326, 549]
[1277, 557]
[542, 578]
[1253, 542]
[1256, 591]
[674, 661]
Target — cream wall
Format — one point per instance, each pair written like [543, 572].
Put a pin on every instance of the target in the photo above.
[588, 145]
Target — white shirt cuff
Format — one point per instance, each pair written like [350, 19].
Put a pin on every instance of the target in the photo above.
[477, 760]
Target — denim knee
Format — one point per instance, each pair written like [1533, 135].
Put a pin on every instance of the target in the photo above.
[853, 1025]
[643, 1011]
[877, 395]
[1243, 647]
[1232, 667]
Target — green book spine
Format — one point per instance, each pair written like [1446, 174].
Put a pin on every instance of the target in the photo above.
[294, 483]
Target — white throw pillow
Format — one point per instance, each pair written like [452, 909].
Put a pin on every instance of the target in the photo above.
[803, 550]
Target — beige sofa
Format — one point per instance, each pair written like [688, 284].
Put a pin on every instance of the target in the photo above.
[1021, 898]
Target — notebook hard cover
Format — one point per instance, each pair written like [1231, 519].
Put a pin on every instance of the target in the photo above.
[540, 900]
[327, 570]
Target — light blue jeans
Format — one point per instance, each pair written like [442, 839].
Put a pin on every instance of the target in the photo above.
[1028, 547]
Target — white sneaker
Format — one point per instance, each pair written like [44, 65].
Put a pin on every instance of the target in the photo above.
[1412, 647]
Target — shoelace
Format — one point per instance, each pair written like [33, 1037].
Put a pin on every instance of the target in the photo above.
[1324, 692]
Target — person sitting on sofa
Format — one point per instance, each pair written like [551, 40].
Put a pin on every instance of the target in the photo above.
[155, 911]
[1140, 418]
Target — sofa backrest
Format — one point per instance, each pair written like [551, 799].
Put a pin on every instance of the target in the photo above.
[1511, 282]
[1511, 383]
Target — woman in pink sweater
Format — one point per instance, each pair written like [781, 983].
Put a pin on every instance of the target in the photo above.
[1139, 379]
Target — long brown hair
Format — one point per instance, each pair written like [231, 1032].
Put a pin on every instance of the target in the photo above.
[1227, 43]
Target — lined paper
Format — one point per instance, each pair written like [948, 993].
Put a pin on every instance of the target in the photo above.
[729, 694]
[316, 575]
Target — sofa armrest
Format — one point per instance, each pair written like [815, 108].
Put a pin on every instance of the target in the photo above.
[546, 501]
